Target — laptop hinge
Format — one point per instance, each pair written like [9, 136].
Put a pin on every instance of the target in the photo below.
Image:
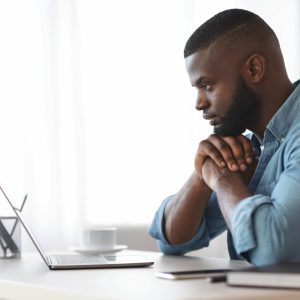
[49, 260]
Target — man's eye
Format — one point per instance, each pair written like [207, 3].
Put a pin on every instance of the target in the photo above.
[207, 87]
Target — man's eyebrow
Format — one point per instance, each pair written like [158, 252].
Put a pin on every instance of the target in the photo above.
[199, 81]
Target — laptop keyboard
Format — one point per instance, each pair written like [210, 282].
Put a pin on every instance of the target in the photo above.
[79, 259]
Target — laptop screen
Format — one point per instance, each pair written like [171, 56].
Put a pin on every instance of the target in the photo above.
[30, 233]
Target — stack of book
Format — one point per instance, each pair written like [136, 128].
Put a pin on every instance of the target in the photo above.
[282, 275]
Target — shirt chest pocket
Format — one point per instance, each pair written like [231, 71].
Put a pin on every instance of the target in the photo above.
[266, 188]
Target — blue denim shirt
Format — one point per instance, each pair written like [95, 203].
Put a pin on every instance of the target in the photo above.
[266, 225]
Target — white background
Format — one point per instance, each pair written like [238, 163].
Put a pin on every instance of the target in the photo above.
[97, 117]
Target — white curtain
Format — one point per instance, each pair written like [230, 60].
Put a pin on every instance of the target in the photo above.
[97, 116]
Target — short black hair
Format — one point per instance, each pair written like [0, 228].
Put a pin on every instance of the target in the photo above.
[223, 23]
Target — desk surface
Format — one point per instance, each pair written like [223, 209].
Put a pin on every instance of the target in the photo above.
[29, 278]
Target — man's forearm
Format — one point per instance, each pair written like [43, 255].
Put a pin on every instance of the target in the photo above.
[230, 191]
[184, 213]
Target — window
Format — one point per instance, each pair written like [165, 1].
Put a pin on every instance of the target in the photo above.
[97, 120]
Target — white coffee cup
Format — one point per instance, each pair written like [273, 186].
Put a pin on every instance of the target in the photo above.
[105, 238]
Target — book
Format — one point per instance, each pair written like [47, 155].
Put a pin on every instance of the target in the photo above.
[281, 275]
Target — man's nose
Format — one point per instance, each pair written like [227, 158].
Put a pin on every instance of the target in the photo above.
[201, 101]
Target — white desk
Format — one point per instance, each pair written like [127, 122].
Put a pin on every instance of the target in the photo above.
[29, 278]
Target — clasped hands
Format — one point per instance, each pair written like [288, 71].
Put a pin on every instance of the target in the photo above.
[226, 160]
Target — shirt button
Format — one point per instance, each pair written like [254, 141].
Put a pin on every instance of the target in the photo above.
[282, 139]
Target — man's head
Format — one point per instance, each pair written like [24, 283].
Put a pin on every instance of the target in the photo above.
[231, 60]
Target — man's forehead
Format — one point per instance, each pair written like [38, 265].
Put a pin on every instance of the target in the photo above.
[200, 58]
[202, 62]
[212, 62]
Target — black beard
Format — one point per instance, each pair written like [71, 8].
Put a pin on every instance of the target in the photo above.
[240, 113]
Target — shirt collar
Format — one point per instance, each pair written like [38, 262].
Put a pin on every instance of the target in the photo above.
[283, 118]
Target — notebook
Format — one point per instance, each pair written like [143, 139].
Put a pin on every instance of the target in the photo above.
[280, 275]
[78, 261]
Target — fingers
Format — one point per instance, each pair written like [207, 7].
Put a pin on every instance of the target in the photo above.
[248, 148]
[233, 152]
[238, 153]
[208, 149]
[220, 149]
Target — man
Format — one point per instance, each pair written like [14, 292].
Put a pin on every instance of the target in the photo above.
[247, 185]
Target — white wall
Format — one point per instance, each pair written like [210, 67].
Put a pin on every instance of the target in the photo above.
[97, 115]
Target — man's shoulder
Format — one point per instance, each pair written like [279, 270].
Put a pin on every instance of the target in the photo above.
[294, 130]
[291, 141]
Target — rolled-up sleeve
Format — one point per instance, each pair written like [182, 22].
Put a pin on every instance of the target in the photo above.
[244, 217]
[266, 229]
[212, 225]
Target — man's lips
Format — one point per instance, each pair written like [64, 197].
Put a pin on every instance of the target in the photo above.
[212, 119]
[208, 116]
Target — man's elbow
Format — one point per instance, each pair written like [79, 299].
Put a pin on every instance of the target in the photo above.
[272, 238]
[169, 249]
[271, 253]
[260, 257]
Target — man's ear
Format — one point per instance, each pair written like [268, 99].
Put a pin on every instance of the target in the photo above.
[254, 68]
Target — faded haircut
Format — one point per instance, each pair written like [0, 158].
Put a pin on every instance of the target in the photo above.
[230, 24]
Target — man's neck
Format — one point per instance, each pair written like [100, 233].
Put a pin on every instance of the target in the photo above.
[269, 107]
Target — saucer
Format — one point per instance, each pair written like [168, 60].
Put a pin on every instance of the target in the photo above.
[97, 250]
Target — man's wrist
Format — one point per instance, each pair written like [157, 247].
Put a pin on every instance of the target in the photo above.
[233, 186]
[230, 192]
[199, 185]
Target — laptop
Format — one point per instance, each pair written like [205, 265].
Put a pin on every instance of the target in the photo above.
[79, 261]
